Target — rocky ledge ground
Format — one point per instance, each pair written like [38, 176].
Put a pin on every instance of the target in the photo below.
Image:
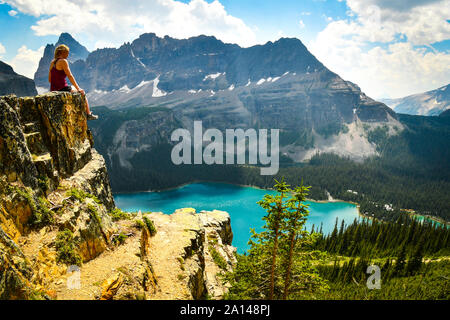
[61, 236]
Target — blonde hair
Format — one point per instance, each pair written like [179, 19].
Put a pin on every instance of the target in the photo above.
[61, 48]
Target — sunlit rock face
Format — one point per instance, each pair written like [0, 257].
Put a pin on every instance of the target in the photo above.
[45, 152]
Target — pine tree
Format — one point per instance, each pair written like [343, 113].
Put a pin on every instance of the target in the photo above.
[296, 219]
[279, 263]
[275, 210]
[415, 261]
[400, 262]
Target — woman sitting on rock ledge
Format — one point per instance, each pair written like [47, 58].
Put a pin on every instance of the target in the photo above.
[59, 70]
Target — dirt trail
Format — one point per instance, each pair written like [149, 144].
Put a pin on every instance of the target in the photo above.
[165, 250]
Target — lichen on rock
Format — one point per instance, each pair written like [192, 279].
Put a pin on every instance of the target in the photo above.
[45, 150]
[57, 211]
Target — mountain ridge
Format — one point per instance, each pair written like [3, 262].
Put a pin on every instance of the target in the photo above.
[13, 83]
[275, 85]
[429, 103]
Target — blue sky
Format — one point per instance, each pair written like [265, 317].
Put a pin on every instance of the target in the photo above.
[389, 50]
[269, 19]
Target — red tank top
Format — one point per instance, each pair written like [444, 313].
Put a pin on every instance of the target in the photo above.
[58, 78]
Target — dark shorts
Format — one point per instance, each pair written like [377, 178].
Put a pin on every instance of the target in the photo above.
[66, 89]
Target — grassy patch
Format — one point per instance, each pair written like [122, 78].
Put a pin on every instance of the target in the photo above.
[139, 224]
[150, 225]
[43, 183]
[118, 214]
[120, 239]
[181, 261]
[65, 248]
[81, 195]
[217, 258]
[41, 214]
[94, 213]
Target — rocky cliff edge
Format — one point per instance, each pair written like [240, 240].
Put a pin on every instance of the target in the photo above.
[61, 236]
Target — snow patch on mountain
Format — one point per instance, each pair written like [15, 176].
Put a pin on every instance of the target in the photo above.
[261, 81]
[141, 84]
[156, 91]
[125, 89]
[213, 76]
[429, 103]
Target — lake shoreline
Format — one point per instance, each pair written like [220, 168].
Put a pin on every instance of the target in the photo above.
[436, 219]
[240, 201]
[245, 186]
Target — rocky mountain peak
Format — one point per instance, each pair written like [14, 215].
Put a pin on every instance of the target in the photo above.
[430, 103]
[13, 83]
[77, 51]
[6, 68]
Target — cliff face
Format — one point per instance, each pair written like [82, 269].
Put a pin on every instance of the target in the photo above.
[50, 179]
[13, 83]
[57, 210]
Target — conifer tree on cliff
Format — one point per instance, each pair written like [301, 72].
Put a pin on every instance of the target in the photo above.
[275, 210]
[295, 221]
[279, 263]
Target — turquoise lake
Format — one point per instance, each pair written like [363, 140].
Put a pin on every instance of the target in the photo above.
[238, 201]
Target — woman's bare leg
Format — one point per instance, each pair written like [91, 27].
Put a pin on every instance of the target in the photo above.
[88, 111]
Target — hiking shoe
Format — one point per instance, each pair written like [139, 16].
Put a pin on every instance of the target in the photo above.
[92, 117]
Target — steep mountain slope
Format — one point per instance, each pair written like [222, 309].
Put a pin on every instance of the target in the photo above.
[446, 113]
[278, 85]
[13, 83]
[430, 103]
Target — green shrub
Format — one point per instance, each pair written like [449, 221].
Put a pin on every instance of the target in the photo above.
[81, 195]
[181, 261]
[118, 214]
[217, 257]
[41, 215]
[139, 224]
[120, 239]
[94, 213]
[150, 226]
[43, 183]
[65, 248]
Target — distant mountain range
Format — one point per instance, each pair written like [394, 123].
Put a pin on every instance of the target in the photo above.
[430, 103]
[13, 83]
[276, 85]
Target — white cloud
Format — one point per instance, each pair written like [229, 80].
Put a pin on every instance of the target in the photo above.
[394, 68]
[114, 22]
[12, 13]
[301, 24]
[2, 50]
[422, 21]
[26, 61]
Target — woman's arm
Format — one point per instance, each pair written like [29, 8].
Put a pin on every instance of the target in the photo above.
[69, 75]
[49, 72]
